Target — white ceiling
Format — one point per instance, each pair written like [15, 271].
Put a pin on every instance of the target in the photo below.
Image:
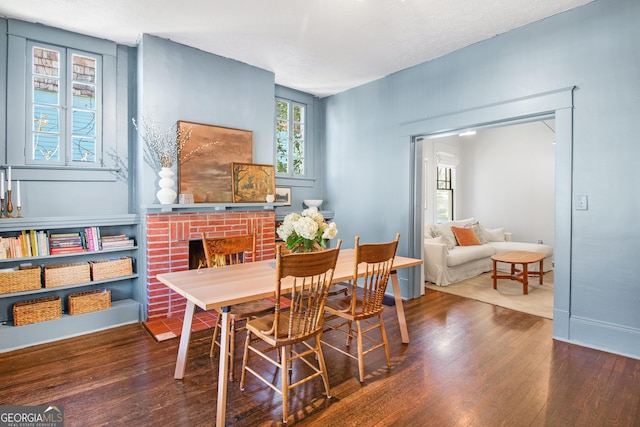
[317, 46]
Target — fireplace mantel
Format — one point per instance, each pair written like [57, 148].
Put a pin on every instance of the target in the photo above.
[209, 207]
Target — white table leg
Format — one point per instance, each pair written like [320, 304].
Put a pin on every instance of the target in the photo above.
[223, 370]
[184, 340]
[404, 332]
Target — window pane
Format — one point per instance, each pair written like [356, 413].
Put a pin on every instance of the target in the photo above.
[46, 147]
[46, 62]
[46, 91]
[84, 69]
[84, 122]
[282, 112]
[84, 96]
[298, 113]
[282, 129]
[444, 205]
[45, 119]
[282, 165]
[84, 149]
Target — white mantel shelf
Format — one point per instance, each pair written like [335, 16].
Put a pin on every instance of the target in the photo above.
[209, 207]
[328, 215]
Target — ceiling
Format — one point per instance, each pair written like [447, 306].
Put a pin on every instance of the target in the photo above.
[320, 47]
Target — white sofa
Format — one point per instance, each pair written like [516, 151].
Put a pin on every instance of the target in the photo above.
[446, 262]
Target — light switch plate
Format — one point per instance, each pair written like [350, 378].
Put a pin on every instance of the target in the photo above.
[581, 203]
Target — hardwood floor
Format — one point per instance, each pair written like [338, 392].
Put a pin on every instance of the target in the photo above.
[468, 364]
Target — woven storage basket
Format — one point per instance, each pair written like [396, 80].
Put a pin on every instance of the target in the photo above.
[38, 310]
[66, 274]
[108, 269]
[86, 302]
[25, 279]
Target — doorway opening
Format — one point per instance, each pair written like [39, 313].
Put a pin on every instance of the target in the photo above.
[502, 177]
[556, 104]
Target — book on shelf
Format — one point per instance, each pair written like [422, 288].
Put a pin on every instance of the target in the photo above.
[92, 238]
[34, 243]
[118, 244]
[115, 237]
[116, 241]
[43, 243]
[25, 245]
[60, 243]
[66, 250]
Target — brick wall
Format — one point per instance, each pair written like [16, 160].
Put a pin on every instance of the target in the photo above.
[168, 236]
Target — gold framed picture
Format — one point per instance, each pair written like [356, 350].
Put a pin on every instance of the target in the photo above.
[252, 182]
[204, 162]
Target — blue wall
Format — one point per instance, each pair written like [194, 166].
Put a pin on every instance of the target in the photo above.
[176, 82]
[594, 48]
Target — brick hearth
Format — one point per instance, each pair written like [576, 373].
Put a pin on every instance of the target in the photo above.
[168, 236]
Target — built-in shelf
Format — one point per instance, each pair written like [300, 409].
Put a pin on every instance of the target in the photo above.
[43, 223]
[61, 288]
[122, 312]
[126, 298]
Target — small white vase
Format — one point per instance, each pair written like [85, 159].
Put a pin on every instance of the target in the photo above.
[166, 195]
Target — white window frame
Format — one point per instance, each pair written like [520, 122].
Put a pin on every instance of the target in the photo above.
[65, 108]
[290, 147]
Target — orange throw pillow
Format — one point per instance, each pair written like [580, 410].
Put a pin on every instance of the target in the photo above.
[465, 236]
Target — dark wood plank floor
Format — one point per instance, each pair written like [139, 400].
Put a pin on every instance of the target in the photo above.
[468, 364]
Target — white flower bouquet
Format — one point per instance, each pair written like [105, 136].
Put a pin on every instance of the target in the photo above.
[306, 232]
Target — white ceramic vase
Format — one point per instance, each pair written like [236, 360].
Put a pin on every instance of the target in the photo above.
[166, 195]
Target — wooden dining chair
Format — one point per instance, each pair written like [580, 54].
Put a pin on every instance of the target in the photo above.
[221, 251]
[372, 267]
[305, 278]
[339, 288]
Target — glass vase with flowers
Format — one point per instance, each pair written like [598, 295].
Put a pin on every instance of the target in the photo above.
[306, 232]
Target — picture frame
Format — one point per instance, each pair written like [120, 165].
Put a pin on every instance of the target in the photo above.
[252, 182]
[205, 160]
[283, 195]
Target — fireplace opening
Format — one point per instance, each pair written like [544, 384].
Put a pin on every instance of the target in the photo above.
[197, 258]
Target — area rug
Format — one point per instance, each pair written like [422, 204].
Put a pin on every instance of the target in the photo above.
[538, 302]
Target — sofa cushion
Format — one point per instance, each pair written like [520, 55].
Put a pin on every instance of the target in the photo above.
[481, 234]
[444, 230]
[462, 254]
[495, 234]
[465, 236]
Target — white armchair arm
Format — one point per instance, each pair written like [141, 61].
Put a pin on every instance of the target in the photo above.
[435, 260]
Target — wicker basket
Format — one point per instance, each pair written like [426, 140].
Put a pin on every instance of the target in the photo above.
[86, 302]
[38, 310]
[108, 269]
[25, 279]
[66, 274]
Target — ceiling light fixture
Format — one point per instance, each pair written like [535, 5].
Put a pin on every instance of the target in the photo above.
[467, 133]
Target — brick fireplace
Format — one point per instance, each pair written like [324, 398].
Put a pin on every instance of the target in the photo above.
[168, 236]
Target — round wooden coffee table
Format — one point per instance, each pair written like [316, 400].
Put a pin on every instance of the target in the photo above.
[517, 257]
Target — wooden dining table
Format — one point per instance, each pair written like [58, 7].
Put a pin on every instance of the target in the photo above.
[211, 288]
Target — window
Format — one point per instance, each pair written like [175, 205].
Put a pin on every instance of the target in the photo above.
[444, 195]
[64, 115]
[290, 138]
